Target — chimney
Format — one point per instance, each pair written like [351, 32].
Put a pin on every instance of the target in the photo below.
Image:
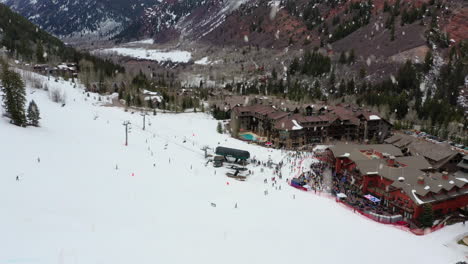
[420, 180]
[391, 161]
[445, 175]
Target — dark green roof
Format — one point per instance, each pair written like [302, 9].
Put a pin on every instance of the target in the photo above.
[235, 153]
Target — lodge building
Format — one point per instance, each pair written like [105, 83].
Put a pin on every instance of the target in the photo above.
[441, 156]
[310, 124]
[402, 183]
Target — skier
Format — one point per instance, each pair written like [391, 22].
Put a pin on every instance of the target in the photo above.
[17, 178]
[235, 206]
[38, 160]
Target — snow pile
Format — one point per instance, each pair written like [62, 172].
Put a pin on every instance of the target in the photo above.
[84, 197]
[374, 117]
[151, 54]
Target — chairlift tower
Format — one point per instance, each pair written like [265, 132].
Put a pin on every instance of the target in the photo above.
[144, 114]
[128, 128]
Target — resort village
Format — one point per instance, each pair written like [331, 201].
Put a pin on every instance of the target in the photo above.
[351, 153]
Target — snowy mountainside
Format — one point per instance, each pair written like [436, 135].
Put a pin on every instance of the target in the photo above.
[77, 19]
[84, 197]
[187, 19]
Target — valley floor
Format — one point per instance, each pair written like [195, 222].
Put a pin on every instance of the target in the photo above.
[91, 199]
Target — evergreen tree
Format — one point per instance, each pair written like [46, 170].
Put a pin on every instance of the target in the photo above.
[426, 219]
[332, 80]
[294, 67]
[128, 100]
[102, 86]
[386, 7]
[40, 53]
[33, 114]
[219, 128]
[362, 73]
[14, 96]
[428, 61]
[274, 74]
[351, 57]
[342, 59]
[341, 88]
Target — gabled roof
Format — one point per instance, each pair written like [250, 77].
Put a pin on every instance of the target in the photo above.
[339, 150]
[417, 162]
[277, 115]
[438, 153]
[462, 163]
[435, 152]
[288, 123]
[393, 139]
[407, 179]
[407, 172]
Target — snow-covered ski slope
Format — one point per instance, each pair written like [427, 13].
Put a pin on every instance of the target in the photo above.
[74, 206]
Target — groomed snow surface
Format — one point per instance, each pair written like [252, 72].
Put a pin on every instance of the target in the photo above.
[74, 206]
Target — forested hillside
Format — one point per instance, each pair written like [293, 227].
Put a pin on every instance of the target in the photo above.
[27, 42]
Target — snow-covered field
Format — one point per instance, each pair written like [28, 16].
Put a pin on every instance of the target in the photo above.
[150, 54]
[91, 199]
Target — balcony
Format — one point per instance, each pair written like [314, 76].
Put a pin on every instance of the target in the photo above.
[401, 205]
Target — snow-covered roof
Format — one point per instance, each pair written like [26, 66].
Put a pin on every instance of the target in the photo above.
[146, 92]
[416, 198]
[296, 125]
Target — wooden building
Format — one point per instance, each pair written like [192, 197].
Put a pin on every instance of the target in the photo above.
[310, 124]
[402, 183]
